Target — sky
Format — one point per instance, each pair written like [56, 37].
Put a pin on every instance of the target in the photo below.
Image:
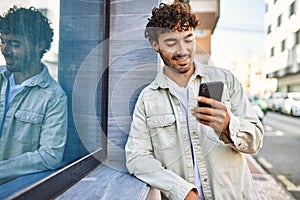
[239, 32]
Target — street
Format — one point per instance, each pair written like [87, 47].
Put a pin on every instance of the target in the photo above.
[281, 150]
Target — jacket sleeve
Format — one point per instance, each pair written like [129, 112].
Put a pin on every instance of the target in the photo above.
[246, 130]
[141, 162]
[52, 144]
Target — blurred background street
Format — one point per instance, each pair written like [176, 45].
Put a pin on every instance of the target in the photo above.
[280, 153]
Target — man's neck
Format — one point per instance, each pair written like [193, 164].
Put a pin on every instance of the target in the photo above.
[20, 77]
[180, 79]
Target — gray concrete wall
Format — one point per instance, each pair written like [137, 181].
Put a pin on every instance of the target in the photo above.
[81, 32]
[132, 65]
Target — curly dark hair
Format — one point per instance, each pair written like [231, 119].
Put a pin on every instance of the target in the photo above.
[170, 17]
[29, 23]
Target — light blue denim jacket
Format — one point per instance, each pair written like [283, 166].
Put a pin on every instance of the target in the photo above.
[158, 150]
[35, 128]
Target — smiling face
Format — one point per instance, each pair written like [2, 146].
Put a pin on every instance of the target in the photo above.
[19, 53]
[177, 49]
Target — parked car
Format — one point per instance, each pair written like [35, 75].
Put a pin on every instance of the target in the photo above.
[262, 103]
[276, 100]
[259, 106]
[258, 112]
[291, 104]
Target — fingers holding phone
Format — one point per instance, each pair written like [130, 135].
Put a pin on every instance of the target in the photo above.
[209, 98]
[212, 90]
[206, 102]
[210, 110]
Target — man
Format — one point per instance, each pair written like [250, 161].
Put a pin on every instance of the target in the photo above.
[33, 110]
[186, 151]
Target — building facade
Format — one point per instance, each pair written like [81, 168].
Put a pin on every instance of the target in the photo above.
[208, 13]
[282, 43]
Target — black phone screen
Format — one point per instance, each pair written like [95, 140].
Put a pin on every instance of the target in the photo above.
[212, 90]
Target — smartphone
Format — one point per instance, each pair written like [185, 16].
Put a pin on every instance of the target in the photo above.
[212, 90]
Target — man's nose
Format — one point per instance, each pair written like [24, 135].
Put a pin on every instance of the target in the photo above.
[181, 49]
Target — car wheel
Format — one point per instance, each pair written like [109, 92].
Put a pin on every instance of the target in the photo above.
[294, 112]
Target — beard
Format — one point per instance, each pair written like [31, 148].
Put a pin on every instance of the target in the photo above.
[173, 67]
[21, 63]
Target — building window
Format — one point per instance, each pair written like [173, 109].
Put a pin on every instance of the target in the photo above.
[272, 52]
[297, 37]
[279, 20]
[292, 9]
[269, 29]
[283, 45]
[200, 33]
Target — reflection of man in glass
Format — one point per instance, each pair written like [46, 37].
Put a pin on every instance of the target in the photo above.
[33, 111]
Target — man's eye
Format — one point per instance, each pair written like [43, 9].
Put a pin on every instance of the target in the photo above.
[15, 44]
[188, 41]
[169, 44]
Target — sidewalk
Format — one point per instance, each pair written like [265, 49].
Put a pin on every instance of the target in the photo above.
[267, 187]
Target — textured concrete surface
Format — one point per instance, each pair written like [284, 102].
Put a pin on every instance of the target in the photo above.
[266, 185]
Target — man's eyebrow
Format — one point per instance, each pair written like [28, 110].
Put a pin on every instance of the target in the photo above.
[189, 35]
[173, 39]
[11, 40]
[14, 40]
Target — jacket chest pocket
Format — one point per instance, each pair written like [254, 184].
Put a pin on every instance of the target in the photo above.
[163, 131]
[28, 127]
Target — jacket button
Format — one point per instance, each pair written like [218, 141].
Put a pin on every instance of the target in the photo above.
[205, 179]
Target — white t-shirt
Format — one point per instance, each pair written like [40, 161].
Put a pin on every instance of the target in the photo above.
[182, 94]
[14, 88]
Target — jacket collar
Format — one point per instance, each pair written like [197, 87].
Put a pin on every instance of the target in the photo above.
[41, 80]
[4, 73]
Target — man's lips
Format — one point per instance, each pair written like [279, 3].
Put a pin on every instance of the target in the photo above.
[182, 60]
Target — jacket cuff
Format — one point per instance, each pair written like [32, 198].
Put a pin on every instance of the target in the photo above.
[237, 128]
[181, 190]
[234, 127]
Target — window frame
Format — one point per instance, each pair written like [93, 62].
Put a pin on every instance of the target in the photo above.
[279, 20]
[292, 9]
[272, 52]
[297, 37]
[283, 45]
[269, 29]
[56, 183]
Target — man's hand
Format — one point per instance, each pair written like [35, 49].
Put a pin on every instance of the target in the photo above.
[217, 117]
[192, 195]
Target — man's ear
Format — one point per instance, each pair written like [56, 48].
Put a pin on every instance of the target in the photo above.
[155, 45]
